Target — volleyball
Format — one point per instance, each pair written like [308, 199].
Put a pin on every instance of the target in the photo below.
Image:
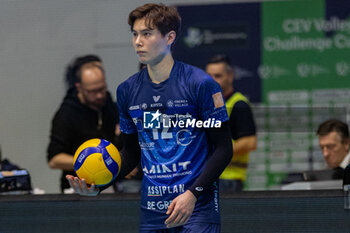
[97, 161]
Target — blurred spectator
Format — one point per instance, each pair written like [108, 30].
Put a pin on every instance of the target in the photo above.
[242, 124]
[71, 75]
[87, 112]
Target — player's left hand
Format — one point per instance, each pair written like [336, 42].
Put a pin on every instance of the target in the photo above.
[180, 209]
[81, 187]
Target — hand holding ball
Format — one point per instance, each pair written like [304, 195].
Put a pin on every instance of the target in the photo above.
[97, 161]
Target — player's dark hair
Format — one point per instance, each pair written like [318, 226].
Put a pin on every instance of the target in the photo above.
[334, 125]
[73, 73]
[221, 58]
[157, 16]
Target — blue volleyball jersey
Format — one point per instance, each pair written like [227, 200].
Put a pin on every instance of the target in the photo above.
[170, 119]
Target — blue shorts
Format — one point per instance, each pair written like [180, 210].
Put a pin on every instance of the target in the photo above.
[189, 228]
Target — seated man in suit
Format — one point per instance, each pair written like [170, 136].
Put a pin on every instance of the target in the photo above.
[334, 141]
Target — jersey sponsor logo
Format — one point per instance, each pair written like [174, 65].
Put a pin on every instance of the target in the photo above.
[218, 100]
[184, 137]
[156, 105]
[159, 205]
[170, 103]
[156, 98]
[147, 145]
[159, 191]
[166, 168]
[180, 103]
[135, 107]
[216, 198]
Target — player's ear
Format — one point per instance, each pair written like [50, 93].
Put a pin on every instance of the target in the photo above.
[171, 37]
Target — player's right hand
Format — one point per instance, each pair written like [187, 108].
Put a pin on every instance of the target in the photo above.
[81, 187]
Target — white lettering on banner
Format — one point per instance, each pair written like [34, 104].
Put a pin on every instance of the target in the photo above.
[341, 41]
[297, 43]
[331, 25]
[299, 30]
[306, 25]
[297, 25]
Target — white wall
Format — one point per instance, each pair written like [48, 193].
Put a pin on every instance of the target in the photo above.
[37, 40]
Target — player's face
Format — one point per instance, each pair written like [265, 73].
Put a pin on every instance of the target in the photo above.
[149, 44]
[221, 75]
[333, 148]
[93, 87]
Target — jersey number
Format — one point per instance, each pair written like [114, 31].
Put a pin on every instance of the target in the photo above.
[164, 134]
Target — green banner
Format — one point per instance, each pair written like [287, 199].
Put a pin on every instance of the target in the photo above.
[302, 49]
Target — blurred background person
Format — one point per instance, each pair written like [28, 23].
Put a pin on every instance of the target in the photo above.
[334, 142]
[71, 75]
[241, 121]
[87, 112]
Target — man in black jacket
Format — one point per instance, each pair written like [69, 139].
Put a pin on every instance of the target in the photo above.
[87, 112]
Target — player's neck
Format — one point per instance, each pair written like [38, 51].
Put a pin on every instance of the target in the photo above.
[161, 71]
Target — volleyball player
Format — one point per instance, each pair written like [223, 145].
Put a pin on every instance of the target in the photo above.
[173, 118]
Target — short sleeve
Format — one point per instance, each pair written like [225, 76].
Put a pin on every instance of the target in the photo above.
[210, 101]
[126, 123]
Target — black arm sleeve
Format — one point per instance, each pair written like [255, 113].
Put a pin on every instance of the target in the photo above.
[217, 162]
[130, 155]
